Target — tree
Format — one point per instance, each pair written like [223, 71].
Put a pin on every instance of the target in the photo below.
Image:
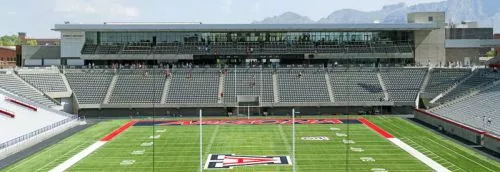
[491, 53]
[32, 42]
[9, 40]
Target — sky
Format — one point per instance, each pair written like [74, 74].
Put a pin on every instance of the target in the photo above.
[37, 17]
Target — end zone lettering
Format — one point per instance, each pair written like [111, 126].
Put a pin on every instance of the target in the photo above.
[320, 138]
[228, 161]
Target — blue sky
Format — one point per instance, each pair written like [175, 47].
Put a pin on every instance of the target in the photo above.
[37, 17]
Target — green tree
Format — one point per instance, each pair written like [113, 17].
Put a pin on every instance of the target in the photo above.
[491, 53]
[9, 40]
[32, 42]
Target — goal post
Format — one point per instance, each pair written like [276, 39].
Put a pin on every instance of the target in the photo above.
[248, 105]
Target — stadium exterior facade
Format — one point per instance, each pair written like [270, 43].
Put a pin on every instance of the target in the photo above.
[419, 42]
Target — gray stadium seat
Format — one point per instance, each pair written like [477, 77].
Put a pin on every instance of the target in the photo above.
[134, 86]
[89, 86]
[201, 87]
[352, 85]
[311, 87]
[403, 84]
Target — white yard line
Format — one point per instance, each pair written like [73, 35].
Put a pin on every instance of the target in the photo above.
[62, 156]
[212, 139]
[73, 160]
[282, 134]
[432, 153]
[30, 159]
[420, 156]
[465, 157]
[288, 147]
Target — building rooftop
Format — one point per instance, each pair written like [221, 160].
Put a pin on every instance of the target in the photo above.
[245, 27]
[8, 47]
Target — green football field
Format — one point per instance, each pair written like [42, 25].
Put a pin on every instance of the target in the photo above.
[177, 148]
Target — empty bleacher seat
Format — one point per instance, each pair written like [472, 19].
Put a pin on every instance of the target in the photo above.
[309, 87]
[89, 86]
[196, 85]
[479, 78]
[17, 86]
[352, 85]
[138, 86]
[248, 81]
[403, 84]
[46, 82]
[442, 79]
[475, 111]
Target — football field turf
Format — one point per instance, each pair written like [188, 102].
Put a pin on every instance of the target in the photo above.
[176, 148]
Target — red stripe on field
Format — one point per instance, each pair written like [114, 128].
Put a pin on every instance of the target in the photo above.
[376, 128]
[118, 131]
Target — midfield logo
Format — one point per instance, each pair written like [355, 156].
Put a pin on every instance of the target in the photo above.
[228, 161]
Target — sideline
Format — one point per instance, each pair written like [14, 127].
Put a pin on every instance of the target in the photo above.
[415, 153]
[87, 151]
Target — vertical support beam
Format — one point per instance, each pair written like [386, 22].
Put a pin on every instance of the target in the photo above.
[201, 141]
[293, 140]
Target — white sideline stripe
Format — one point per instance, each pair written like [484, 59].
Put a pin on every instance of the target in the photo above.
[415, 153]
[79, 156]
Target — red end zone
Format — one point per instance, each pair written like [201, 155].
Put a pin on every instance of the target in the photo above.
[376, 128]
[118, 131]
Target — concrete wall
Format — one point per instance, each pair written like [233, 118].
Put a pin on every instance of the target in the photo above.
[460, 54]
[492, 143]
[6, 152]
[429, 45]
[222, 111]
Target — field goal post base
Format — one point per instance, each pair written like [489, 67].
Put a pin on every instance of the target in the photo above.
[248, 106]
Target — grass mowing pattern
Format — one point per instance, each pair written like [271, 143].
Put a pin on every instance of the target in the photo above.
[310, 153]
[177, 149]
[55, 154]
[446, 152]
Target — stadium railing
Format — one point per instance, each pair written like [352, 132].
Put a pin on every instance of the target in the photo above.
[36, 133]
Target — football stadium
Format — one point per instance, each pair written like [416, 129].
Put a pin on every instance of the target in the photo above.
[139, 97]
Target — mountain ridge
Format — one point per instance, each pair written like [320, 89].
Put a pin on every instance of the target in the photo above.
[485, 12]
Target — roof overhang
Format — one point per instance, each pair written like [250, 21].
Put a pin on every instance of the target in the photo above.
[245, 27]
[472, 43]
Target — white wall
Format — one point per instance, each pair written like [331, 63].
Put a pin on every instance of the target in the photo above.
[72, 43]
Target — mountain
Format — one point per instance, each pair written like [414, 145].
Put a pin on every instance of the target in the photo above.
[355, 16]
[286, 18]
[486, 12]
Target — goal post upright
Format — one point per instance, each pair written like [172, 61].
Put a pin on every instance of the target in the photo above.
[293, 140]
[201, 140]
